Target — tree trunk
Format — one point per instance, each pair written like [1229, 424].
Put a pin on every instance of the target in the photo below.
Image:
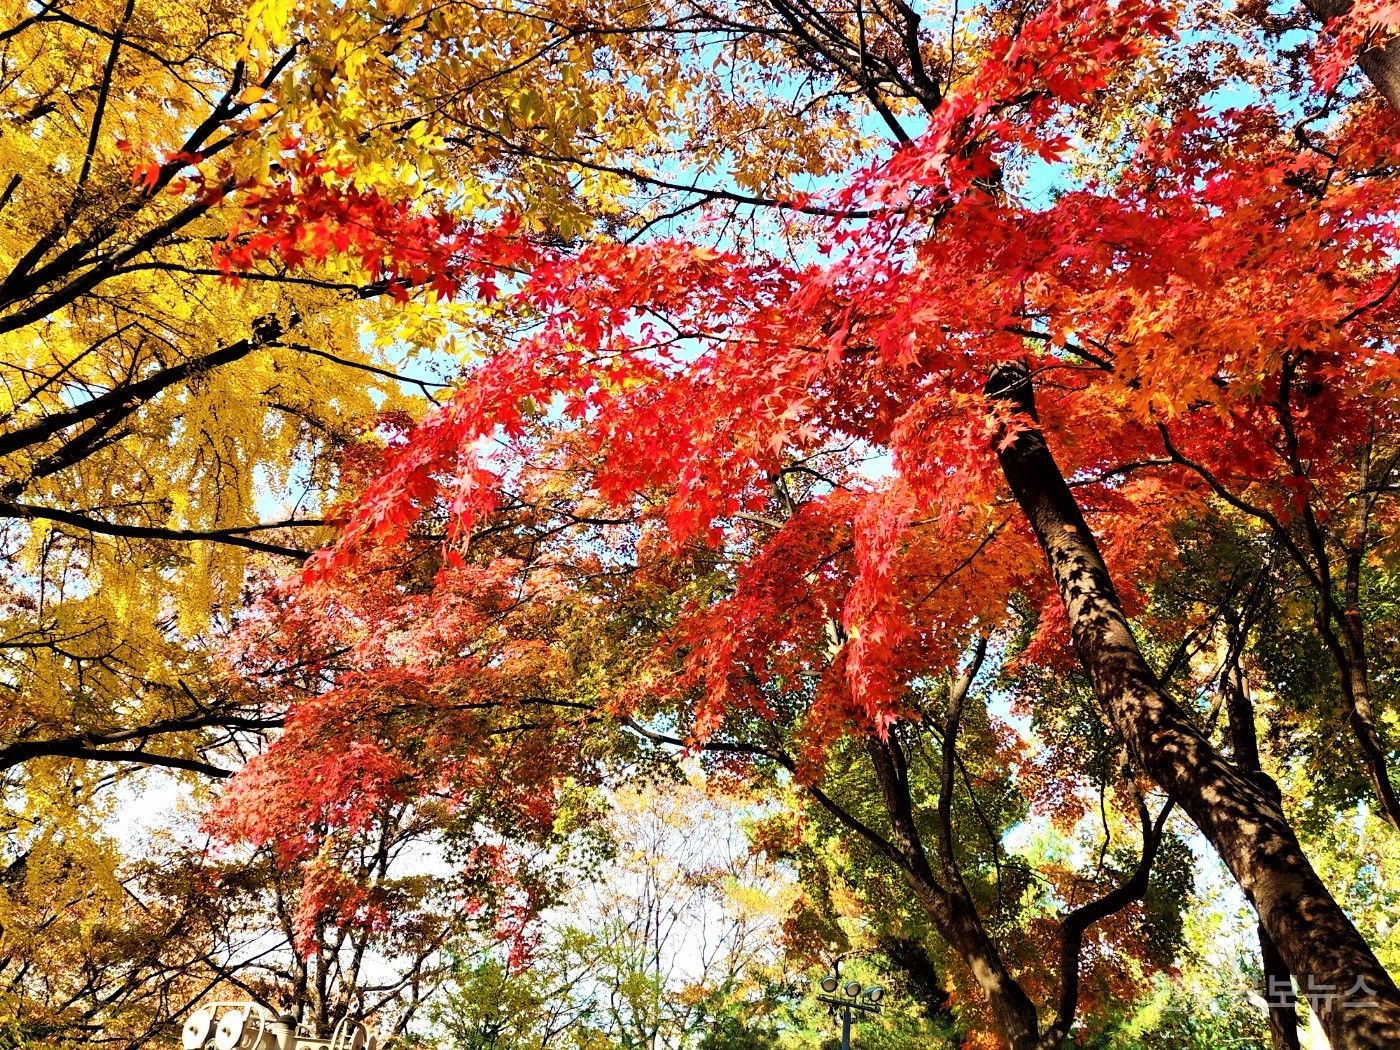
[950, 907]
[1356, 688]
[1381, 64]
[1278, 992]
[1244, 746]
[1314, 937]
[1015, 1016]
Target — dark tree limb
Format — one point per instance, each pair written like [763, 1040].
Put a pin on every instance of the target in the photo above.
[98, 746]
[1244, 746]
[1247, 828]
[142, 758]
[233, 536]
[124, 398]
[1077, 922]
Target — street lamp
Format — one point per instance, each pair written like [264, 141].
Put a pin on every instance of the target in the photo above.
[852, 998]
[248, 1026]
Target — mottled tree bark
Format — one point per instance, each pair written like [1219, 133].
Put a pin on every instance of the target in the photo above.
[1244, 748]
[1314, 937]
[1380, 64]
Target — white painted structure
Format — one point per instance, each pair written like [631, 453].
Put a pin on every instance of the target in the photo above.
[248, 1026]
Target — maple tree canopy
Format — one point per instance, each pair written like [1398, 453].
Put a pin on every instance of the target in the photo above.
[967, 381]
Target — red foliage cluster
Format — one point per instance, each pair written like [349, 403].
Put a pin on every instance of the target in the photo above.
[1165, 314]
[311, 211]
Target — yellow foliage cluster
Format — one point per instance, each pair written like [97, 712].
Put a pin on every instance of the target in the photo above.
[150, 426]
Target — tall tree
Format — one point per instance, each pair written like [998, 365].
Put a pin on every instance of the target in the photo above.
[1178, 305]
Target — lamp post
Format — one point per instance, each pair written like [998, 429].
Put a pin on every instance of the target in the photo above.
[849, 997]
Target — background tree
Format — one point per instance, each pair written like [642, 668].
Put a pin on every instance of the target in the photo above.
[671, 942]
[120, 962]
